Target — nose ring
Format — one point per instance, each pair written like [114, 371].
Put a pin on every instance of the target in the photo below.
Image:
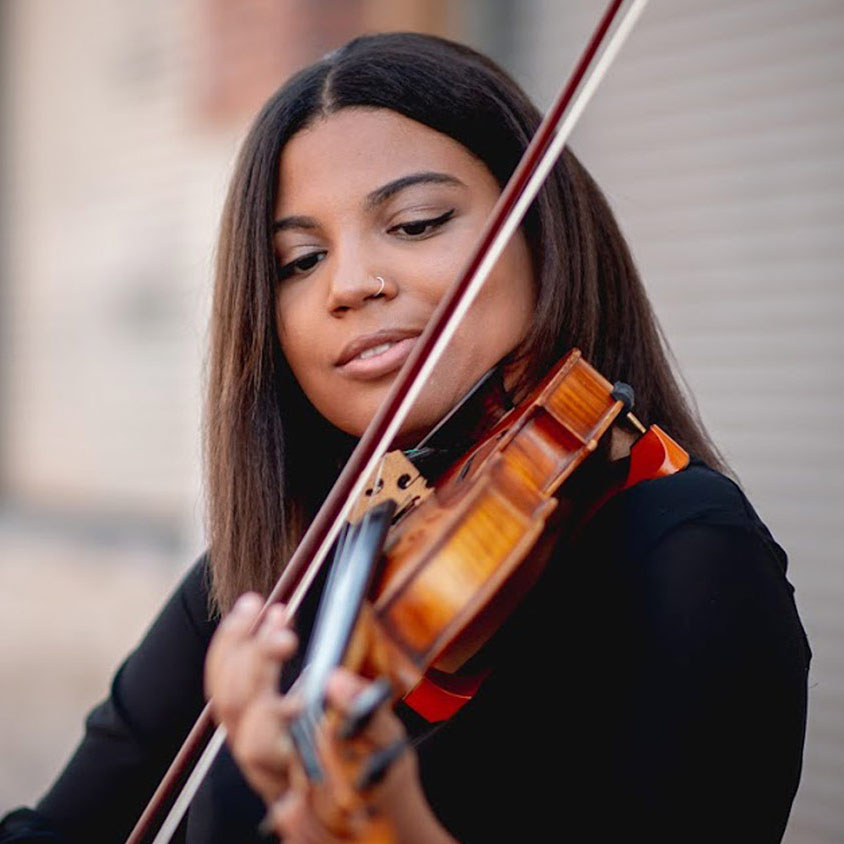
[380, 290]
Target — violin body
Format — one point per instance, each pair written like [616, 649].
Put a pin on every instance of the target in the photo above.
[456, 566]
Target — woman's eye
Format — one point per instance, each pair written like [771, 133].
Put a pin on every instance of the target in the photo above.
[300, 265]
[421, 228]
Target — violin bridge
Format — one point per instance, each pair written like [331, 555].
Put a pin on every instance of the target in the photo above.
[397, 479]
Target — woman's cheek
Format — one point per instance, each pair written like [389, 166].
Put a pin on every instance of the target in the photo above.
[292, 330]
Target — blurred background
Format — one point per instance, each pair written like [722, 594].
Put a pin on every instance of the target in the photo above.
[717, 137]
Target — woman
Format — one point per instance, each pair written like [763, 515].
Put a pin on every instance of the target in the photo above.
[653, 685]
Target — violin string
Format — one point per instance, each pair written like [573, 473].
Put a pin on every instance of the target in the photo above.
[573, 110]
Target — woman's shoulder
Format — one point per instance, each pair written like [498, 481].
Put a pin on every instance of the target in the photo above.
[166, 666]
[689, 559]
[194, 596]
[187, 613]
[696, 502]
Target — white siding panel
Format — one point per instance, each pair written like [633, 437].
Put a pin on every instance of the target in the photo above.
[717, 138]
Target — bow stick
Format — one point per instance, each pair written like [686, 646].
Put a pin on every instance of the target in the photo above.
[509, 211]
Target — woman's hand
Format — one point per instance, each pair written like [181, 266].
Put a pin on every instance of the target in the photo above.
[242, 674]
[242, 678]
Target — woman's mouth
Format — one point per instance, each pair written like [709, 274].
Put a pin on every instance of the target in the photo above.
[380, 359]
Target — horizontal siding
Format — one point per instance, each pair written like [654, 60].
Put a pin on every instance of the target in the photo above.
[717, 138]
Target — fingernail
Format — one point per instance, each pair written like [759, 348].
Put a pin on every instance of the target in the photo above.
[286, 638]
[248, 603]
[344, 685]
[275, 614]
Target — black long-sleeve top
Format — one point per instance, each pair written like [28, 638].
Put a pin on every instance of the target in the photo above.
[651, 687]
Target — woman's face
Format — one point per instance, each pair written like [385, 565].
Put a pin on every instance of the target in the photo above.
[367, 194]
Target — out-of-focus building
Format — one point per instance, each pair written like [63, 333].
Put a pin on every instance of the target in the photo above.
[120, 124]
[717, 138]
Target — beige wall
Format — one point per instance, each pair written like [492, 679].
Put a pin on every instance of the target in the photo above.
[120, 125]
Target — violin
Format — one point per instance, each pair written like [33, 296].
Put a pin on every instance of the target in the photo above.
[412, 599]
[454, 560]
[456, 565]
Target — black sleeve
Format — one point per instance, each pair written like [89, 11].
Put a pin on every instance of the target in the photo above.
[708, 744]
[657, 698]
[131, 737]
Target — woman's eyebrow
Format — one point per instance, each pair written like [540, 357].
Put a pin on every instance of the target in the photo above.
[382, 194]
[294, 222]
[376, 197]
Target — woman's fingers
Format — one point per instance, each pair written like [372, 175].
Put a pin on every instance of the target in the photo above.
[242, 679]
[262, 746]
[292, 820]
[274, 639]
[344, 689]
[241, 665]
[389, 771]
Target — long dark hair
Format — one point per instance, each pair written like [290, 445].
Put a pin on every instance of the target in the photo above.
[262, 490]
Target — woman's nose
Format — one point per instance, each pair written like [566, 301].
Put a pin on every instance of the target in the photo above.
[353, 291]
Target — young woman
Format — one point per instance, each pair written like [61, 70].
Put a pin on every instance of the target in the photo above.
[651, 686]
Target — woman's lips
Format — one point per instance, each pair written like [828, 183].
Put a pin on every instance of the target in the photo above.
[367, 366]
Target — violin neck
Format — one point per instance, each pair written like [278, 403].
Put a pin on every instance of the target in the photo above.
[357, 553]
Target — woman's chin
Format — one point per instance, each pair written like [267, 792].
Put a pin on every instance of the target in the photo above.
[434, 403]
